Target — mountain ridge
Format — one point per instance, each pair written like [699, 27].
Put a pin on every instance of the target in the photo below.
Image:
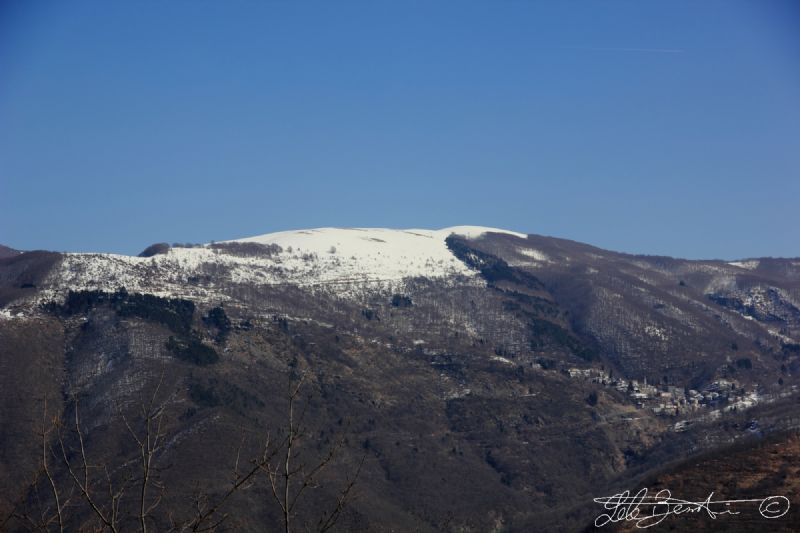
[546, 371]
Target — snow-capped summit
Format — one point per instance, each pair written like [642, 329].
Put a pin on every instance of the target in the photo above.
[377, 252]
[374, 254]
[335, 257]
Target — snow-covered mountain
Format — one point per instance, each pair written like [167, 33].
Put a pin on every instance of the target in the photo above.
[460, 353]
[347, 260]
[373, 253]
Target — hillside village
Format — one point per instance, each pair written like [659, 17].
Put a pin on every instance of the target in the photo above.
[720, 396]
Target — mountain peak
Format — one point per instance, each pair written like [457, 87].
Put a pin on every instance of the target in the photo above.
[342, 259]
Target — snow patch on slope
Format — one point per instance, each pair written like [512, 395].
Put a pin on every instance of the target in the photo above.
[751, 264]
[531, 257]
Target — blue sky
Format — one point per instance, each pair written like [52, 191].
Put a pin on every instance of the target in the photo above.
[648, 127]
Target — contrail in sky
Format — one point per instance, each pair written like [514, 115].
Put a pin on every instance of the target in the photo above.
[611, 49]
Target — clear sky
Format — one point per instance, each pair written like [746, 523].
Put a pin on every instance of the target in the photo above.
[666, 127]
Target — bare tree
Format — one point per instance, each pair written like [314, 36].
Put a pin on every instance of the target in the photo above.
[83, 479]
[120, 494]
[209, 516]
[48, 514]
[149, 444]
[289, 480]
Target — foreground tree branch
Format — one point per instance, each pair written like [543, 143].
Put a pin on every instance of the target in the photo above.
[288, 484]
[72, 491]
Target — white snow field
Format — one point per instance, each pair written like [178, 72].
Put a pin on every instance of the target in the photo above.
[335, 257]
